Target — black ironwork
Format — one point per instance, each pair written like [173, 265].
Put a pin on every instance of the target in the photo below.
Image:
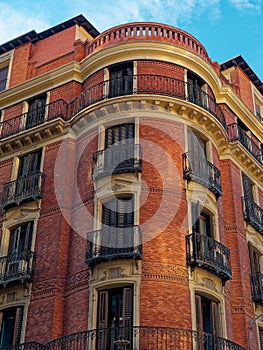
[256, 282]
[17, 266]
[128, 338]
[57, 109]
[236, 133]
[25, 346]
[114, 243]
[208, 254]
[24, 189]
[148, 84]
[121, 158]
[253, 213]
[200, 170]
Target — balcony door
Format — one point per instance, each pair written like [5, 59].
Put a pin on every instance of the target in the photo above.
[121, 79]
[197, 156]
[207, 321]
[114, 317]
[10, 324]
[255, 270]
[119, 146]
[19, 249]
[29, 165]
[36, 111]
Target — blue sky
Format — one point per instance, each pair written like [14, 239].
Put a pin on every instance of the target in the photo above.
[227, 28]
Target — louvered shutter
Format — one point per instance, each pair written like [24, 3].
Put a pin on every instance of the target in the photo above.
[28, 237]
[127, 307]
[261, 338]
[215, 318]
[102, 320]
[247, 187]
[18, 325]
[198, 313]
[253, 267]
[195, 217]
[12, 247]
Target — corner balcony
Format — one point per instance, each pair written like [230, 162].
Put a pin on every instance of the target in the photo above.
[208, 254]
[237, 134]
[23, 190]
[141, 338]
[203, 172]
[113, 243]
[125, 157]
[29, 120]
[253, 214]
[17, 267]
[148, 84]
[256, 282]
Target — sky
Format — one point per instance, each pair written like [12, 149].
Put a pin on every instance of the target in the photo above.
[226, 28]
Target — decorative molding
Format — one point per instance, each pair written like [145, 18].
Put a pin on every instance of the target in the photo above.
[76, 281]
[49, 211]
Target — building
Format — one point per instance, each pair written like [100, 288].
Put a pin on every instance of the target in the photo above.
[131, 192]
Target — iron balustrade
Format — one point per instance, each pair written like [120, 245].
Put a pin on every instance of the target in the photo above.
[141, 337]
[114, 243]
[25, 121]
[236, 133]
[25, 346]
[200, 170]
[208, 254]
[120, 158]
[253, 213]
[148, 84]
[17, 266]
[256, 282]
[24, 189]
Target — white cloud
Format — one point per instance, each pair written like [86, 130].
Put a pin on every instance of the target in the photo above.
[245, 5]
[14, 23]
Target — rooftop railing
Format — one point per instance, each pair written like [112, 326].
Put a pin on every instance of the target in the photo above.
[147, 32]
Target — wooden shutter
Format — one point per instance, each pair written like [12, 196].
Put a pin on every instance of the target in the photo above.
[127, 307]
[18, 325]
[102, 322]
[12, 247]
[28, 237]
[261, 338]
[195, 217]
[247, 187]
[254, 259]
[215, 318]
[198, 313]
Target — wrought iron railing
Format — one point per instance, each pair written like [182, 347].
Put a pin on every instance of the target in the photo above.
[236, 133]
[148, 84]
[253, 213]
[24, 189]
[120, 158]
[256, 282]
[114, 243]
[25, 346]
[57, 109]
[197, 168]
[17, 266]
[128, 338]
[208, 254]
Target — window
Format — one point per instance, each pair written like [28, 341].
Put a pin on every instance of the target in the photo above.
[3, 78]
[197, 151]
[258, 112]
[202, 221]
[207, 320]
[115, 313]
[195, 89]
[36, 111]
[255, 274]
[260, 331]
[121, 79]
[19, 258]
[247, 187]
[11, 324]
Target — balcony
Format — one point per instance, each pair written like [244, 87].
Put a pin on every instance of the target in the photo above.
[208, 254]
[23, 190]
[114, 243]
[17, 267]
[26, 121]
[256, 282]
[125, 157]
[148, 84]
[237, 134]
[253, 214]
[203, 172]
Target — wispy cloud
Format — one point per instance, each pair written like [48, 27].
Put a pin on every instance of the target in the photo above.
[245, 5]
